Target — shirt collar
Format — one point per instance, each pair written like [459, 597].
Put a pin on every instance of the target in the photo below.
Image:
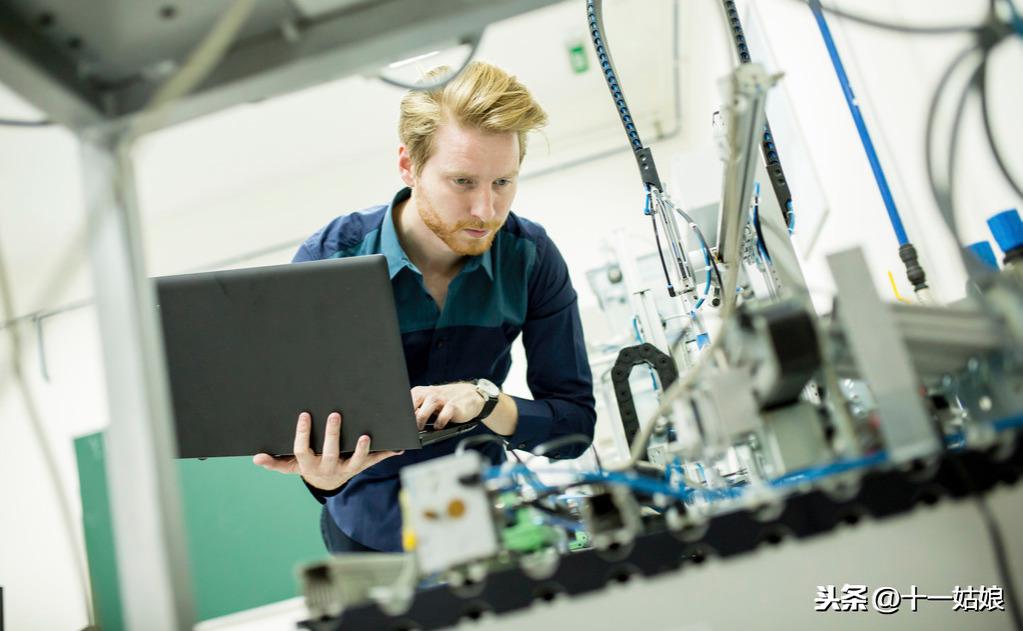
[391, 248]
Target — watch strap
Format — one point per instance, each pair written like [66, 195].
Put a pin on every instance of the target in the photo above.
[489, 403]
[488, 407]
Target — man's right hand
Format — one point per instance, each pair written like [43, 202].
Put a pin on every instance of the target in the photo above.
[329, 470]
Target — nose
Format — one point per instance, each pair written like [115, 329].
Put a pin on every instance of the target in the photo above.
[483, 205]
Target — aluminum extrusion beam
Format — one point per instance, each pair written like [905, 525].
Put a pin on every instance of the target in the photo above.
[745, 91]
[145, 500]
[882, 358]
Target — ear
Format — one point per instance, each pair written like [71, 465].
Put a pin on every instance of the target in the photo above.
[405, 169]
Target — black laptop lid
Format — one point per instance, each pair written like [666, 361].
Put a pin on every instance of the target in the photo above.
[248, 350]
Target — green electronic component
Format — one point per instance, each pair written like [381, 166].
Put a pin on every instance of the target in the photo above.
[581, 541]
[527, 534]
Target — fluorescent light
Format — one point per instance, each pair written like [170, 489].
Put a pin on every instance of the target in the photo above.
[411, 60]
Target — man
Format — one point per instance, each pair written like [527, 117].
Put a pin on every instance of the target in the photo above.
[468, 276]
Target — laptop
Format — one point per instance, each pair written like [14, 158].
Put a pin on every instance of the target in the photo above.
[249, 349]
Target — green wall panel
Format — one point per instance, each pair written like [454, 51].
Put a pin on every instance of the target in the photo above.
[246, 529]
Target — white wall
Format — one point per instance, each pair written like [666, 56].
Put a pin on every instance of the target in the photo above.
[266, 174]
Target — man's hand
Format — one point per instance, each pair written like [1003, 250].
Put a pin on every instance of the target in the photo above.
[453, 403]
[329, 470]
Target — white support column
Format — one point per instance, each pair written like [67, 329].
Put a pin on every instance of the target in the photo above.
[152, 560]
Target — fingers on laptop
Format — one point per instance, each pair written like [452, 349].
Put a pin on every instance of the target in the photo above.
[302, 449]
[361, 458]
[418, 394]
[280, 465]
[444, 417]
[357, 461]
[307, 462]
[332, 437]
[431, 403]
[289, 464]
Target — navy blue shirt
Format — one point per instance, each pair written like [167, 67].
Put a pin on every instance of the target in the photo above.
[520, 285]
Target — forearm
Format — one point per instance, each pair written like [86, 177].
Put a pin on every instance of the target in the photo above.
[543, 420]
[505, 417]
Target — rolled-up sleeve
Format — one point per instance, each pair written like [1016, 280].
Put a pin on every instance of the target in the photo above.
[558, 372]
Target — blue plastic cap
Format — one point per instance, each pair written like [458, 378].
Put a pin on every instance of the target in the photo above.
[702, 340]
[1007, 229]
[985, 253]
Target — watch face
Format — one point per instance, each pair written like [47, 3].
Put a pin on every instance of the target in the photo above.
[488, 388]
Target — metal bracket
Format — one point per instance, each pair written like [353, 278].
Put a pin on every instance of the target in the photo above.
[647, 168]
[883, 359]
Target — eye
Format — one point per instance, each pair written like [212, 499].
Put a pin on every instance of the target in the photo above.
[503, 182]
[462, 181]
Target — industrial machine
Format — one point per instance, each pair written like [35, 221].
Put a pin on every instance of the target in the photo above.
[768, 421]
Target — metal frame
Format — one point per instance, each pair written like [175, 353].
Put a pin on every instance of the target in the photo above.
[144, 496]
[57, 90]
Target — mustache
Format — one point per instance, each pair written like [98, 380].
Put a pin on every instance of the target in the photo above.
[477, 225]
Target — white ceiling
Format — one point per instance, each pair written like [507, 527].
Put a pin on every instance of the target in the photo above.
[342, 122]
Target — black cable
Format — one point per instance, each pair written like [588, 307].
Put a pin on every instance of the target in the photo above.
[1001, 560]
[703, 244]
[482, 439]
[943, 29]
[997, 541]
[760, 233]
[953, 144]
[995, 151]
[571, 439]
[987, 41]
[660, 255]
[941, 197]
[10, 122]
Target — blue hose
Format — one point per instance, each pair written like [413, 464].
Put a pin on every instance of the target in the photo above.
[861, 126]
[841, 466]
[1016, 19]
[1011, 422]
[685, 493]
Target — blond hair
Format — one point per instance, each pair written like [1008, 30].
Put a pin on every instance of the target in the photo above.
[483, 96]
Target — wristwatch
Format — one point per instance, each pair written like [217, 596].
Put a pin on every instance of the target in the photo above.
[490, 393]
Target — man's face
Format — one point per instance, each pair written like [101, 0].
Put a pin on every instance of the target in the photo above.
[466, 188]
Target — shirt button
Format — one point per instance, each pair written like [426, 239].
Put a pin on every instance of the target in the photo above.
[440, 344]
